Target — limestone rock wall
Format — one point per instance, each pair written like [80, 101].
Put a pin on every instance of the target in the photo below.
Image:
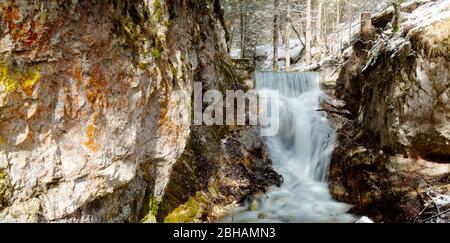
[95, 102]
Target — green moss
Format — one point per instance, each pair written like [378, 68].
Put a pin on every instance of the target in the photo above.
[158, 11]
[143, 65]
[156, 53]
[3, 186]
[214, 189]
[150, 208]
[166, 23]
[190, 212]
[174, 72]
[218, 132]
[396, 28]
[134, 37]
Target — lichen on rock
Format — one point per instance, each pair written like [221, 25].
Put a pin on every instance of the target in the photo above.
[90, 106]
[190, 212]
[13, 80]
[149, 209]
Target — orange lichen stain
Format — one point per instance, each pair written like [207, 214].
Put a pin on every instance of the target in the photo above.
[30, 78]
[11, 14]
[31, 35]
[21, 30]
[91, 133]
[76, 100]
[67, 101]
[78, 76]
[97, 88]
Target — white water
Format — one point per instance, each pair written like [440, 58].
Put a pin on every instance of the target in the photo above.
[301, 153]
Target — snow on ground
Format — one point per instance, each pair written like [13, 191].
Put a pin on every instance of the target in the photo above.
[428, 13]
[364, 220]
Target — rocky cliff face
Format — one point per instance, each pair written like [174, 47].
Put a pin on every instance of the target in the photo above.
[397, 148]
[95, 104]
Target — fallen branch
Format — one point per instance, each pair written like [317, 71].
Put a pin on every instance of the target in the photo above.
[298, 34]
[434, 202]
[343, 114]
[422, 200]
[421, 212]
[335, 107]
[435, 216]
[302, 52]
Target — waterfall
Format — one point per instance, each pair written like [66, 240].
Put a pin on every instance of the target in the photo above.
[301, 153]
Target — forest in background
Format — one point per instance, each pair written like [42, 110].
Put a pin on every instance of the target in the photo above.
[265, 29]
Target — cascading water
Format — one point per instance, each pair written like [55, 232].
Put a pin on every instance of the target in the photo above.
[301, 153]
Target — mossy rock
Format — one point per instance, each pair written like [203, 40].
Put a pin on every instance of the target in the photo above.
[190, 212]
[3, 186]
[156, 53]
[149, 209]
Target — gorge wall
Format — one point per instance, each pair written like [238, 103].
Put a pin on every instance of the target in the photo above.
[95, 104]
[396, 149]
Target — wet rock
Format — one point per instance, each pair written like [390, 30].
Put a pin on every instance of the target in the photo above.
[395, 88]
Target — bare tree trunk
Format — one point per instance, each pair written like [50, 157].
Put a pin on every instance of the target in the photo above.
[308, 33]
[338, 21]
[276, 20]
[325, 29]
[319, 28]
[301, 28]
[350, 14]
[287, 36]
[243, 28]
[333, 38]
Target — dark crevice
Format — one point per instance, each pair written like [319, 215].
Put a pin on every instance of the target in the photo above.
[439, 158]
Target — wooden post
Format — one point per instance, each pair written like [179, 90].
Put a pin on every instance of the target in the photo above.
[366, 26]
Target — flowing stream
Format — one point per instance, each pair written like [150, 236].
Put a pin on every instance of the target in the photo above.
[301, 153]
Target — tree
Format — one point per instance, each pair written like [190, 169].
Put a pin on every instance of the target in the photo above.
[319, 27]
[338, 23]
[350, 16]
[259, 25]
[287, 36]
[242, 17]
[308, 33]
[276, 26]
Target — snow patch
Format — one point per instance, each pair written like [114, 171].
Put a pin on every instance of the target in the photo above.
[364, 220]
